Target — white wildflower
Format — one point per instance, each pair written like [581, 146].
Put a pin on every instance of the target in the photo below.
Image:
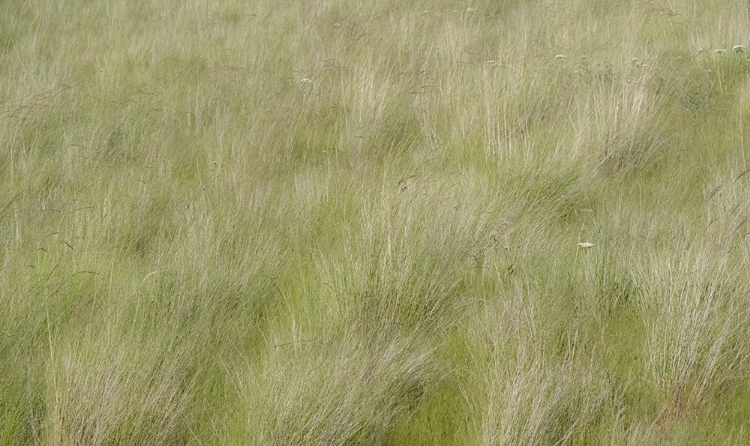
[561, 57]
[738, 48]
[586, 245]
[470, 9]
[720, 51]
[305, 80]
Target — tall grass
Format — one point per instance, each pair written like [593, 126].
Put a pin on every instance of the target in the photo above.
[347, 222]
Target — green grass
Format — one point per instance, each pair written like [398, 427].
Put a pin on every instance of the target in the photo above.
[358, 223]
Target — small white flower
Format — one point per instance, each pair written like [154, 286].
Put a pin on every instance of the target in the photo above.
[470, 9]
[305, 80]
[561, 57]
[720, 51]
[586, 245]
[738, 48]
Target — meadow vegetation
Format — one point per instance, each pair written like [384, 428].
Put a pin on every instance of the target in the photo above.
[344, 222]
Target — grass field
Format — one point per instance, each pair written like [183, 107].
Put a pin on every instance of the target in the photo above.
[349, 222]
